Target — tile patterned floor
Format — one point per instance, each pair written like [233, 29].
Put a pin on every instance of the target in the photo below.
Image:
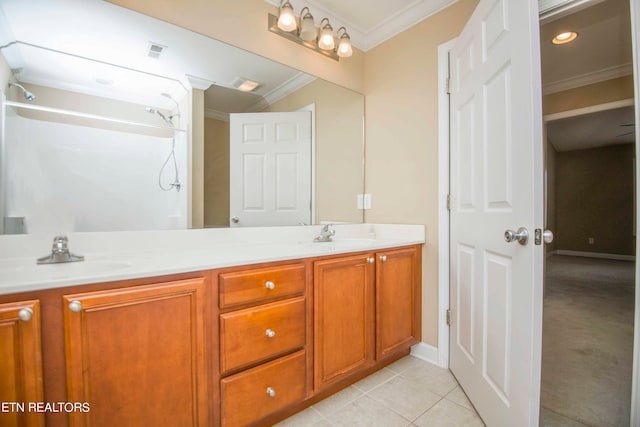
[409, 392]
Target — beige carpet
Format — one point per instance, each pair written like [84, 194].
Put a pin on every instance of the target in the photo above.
[587, 342]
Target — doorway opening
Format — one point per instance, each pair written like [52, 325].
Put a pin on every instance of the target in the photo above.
[588, 311]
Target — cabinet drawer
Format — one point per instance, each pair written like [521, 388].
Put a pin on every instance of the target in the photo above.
[261, 284]
[253, 334]
[258, 392]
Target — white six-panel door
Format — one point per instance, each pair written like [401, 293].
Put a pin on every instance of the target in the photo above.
[496, 184]
[270, 169]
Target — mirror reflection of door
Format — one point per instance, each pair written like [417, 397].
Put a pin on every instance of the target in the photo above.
[270, 169]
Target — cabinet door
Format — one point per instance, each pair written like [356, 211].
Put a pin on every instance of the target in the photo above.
[343, 325]
[136, 355]
[20, 363]
[397, 300]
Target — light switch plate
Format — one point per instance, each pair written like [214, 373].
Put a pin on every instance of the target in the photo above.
[367, 201]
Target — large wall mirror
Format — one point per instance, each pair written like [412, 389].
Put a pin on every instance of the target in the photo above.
[102, 118]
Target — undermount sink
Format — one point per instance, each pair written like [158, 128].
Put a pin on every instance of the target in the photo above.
[63, 270]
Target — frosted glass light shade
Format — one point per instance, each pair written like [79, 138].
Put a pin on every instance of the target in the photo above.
[325, 38]
[308, 30]
[287, 19]
[344, 46]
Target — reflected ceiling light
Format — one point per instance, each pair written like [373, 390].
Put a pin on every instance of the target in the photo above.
[564, 37]
[303, 31]
[244, 85]
[287, 19]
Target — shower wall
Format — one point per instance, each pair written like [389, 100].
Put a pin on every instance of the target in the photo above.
[63, 177]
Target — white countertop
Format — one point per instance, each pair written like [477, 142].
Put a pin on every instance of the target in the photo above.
[135, 254]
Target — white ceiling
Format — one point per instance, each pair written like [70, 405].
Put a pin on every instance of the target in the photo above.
[117, 42]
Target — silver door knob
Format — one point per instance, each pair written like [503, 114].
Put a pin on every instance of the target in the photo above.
[547, 236]
[235, 219]
[522, 236]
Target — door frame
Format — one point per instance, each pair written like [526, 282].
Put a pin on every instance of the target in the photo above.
[553, 8]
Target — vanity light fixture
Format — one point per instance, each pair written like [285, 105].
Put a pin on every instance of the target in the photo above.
[303, 31]
[564, 37]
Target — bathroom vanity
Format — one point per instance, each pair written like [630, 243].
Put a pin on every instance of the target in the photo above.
[203, 327]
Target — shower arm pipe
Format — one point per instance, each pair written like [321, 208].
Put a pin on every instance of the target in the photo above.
[88, 116]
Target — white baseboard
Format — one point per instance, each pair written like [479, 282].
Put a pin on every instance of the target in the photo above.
[425, 352]
[593, 255]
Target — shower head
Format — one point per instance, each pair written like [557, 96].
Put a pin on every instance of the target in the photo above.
[27, 95]
[159, 113]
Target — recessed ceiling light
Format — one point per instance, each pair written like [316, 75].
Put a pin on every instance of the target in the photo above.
[245, 85]
[565, 37]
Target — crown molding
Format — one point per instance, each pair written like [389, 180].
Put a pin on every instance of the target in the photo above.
[215, 114]
[293, 84]
[588, 78]
[199, 82]
[366, 39]
[550, 10]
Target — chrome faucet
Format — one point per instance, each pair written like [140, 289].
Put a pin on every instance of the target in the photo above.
[60, 252]
[326, 234]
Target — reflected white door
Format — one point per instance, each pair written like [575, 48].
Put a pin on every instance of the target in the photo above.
[270, 169]
[496, 184]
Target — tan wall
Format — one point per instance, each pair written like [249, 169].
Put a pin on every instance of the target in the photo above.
[402, 137]
[339, 147]
[196, 159]
[244, 24]
[594, 198]
[216, 173]
[585, 96]
[550, 166]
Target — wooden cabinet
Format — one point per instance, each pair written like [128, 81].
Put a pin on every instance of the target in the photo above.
[263, 390]
[344, 317]
[20, 363]
[398, 300]
[137, 355]
[232, 347]
[365, 306]
[263, 341]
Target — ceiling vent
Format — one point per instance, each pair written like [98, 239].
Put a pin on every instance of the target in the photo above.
[155, 50]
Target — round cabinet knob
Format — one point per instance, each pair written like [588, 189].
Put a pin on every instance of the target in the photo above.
[271, 392]
[270, 285]
[270, 333]
[75, 306]
[371, 260]
[25, 314]
[383, 258]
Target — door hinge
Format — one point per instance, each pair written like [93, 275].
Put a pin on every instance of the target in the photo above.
[448, 202]
[449, 317]
[447, 86]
